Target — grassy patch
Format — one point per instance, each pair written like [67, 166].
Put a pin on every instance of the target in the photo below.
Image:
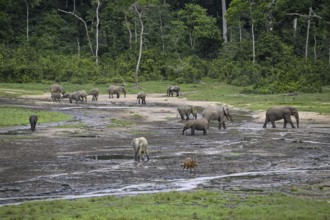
[11, 116]
[120, 123]
[174, 205]
[206, 90]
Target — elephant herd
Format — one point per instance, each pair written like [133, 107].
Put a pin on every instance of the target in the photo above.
[140, 145]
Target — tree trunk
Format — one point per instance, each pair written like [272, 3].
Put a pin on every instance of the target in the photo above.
[141, 46]
[253, 41]
[224, 22]
[161, 31]
[27, 21]
[307, 34]
[130, 32]
[86, 28]
[97, 33]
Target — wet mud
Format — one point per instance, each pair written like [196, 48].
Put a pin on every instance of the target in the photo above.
[91, 155]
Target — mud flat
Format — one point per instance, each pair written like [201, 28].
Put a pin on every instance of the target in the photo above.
[91, 155]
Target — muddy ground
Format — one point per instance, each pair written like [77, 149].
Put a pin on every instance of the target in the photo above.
[91, 154]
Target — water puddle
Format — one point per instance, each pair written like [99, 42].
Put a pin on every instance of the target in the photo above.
[110, 157]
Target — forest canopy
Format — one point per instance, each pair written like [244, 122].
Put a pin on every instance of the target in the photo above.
[265, 46]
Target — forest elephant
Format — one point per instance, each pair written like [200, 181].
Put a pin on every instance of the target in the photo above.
[277, 113]
[95, 94]
[55, 91]
[141, 96]
[33, 122]
[83, 95]
[189, 164]
[116, 90]
[140, 148]
[186, 111]
[73, 96]
[198, 124]
[218, 113]
[56, 97]
[173, 89]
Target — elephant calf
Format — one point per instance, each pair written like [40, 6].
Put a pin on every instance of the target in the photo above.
[55, 91]
[73, 96]
[173, 89]
[277, 113]
[198, 124]
[140, 148]
[189, 163]
[186, 111]
[33, 122]
[141, 96]
[95, 94]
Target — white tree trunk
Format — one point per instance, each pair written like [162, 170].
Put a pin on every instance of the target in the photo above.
[307, 34]
[224, 22]
[253, 40]
[141, 45]
[27, 21]
[86, 28]
[97, 33]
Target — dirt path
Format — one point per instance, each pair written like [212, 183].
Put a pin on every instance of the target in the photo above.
[91, 155]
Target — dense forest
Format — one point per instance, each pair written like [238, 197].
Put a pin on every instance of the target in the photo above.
[266, 46]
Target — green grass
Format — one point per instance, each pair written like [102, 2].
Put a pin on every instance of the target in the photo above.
[203, 204]
[11, 116]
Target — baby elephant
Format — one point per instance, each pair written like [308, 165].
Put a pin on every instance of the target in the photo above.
[141, 96]
[33, 122]
[198, 124]
[189, 163]
[141, 148]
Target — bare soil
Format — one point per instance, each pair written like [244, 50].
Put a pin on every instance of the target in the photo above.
[91, 155]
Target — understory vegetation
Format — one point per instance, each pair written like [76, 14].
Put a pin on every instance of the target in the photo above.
[267, 47]
[203, 204]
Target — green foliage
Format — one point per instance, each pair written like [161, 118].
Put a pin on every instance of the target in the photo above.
[181, 42]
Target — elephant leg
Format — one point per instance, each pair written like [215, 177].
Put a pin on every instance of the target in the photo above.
[285, 123]
[182, 116]
[265, 123]
[187, 116]
[136, 156]
[224, 125]
[147, 157]
[193, 130]
[184, 129]
[273, 123]
[204, 131]
[287, 119]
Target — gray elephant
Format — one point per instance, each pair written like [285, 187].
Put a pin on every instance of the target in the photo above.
[83, 95]
[198, 124]
[54, 89]
[73, 96]
[186, 111]
[33, 122]
[116, 90]
[141, 96]
[218, 113]
[95, 94]
[277, 113]
[173, 89]
[56, 97]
